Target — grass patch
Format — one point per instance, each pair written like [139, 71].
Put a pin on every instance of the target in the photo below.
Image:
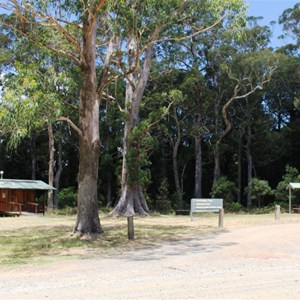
[25, 244]
[41, 239]
[37, 240]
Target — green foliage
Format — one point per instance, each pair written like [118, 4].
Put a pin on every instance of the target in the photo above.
[31, 98]
[67, 197]
[191, 72]
[141, 142]
[66, 211]
[163, 202]
[224, 189]
[290, 20]
[262, 210]
[235, 207]
[259, 189]
[291, 175]
[137, 156]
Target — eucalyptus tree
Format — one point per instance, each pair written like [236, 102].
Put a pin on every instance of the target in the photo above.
[191, 55]
[37, 90]
[139, 32]
[236, 69]
[70, 29]
[280, 97]
[253, 43]
[7, 40]
[31, 102]
[150, 23]
[290, 19]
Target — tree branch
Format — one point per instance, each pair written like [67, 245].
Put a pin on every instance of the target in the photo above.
[103, 78]
[71, 124]
[51, 22]
[235, 96]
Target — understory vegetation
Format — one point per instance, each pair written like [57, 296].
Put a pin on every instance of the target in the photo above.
[126, 106]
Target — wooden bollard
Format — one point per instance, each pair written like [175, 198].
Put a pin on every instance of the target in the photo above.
[277, 212]
[130, 228]
[221, 217]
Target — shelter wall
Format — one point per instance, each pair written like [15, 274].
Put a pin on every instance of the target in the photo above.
[11, 199]
[3, 199]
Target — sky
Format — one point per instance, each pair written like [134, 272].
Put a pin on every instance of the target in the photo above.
[270, 10]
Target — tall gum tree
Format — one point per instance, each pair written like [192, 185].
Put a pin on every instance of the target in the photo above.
[152, 23]
[215, 18]
[45, 23]
[140, 37]
[249, 73]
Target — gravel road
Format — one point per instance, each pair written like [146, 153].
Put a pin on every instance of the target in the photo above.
[260, 262]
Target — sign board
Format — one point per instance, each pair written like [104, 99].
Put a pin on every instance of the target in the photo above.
[206, 205]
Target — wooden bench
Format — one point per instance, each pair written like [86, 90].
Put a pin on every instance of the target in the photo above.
[16, 204]
[296, 209]
[35, 206]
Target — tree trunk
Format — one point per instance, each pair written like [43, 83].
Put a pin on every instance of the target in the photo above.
[132, 200]
[51, 164]
[89, 141]
[176, 175]
[217, 168]
[109, 190]
[176, 145]
[33, 156]
[58, 174]
[249, 167]
[198, 121]
[239, 173]
[198, 159]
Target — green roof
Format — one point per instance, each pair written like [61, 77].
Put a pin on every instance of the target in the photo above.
[17, 184]
[294, 185]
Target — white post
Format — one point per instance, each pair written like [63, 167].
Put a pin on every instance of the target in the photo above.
[277, 212]
[290, 200]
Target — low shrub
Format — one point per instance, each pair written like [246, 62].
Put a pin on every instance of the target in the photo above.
[67, 197]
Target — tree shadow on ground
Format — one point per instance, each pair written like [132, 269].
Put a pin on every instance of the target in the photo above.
[180, 247]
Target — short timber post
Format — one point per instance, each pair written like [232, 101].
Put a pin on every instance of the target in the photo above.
[277, 212]
[221, 217]
[130, 228]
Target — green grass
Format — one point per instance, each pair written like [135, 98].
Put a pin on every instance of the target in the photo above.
[40, 239]
[24, 244]
[37, 243]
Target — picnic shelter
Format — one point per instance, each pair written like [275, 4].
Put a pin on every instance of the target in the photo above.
[18, 196]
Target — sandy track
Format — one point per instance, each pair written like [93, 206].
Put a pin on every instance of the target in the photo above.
[260, 262]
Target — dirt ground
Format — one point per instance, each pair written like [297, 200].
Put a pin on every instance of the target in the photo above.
[253, 257]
